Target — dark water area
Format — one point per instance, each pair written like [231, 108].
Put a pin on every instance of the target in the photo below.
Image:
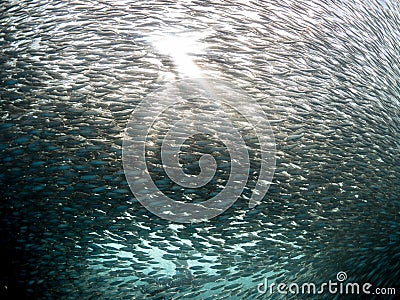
[327, 75]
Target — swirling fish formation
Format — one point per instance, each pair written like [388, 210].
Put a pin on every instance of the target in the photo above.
[325, 74]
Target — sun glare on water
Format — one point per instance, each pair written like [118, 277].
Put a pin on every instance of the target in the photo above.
[181, 49]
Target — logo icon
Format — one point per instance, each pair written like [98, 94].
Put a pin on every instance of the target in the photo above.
[341, 276]
[167, 119]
